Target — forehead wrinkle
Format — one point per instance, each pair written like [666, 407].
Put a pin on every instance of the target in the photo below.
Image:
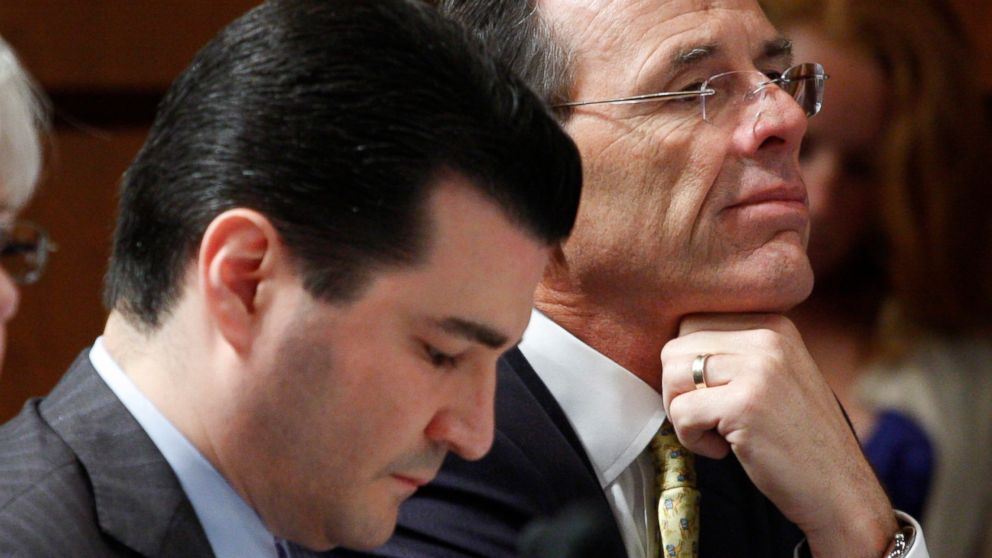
[608, 33]
[668, 61]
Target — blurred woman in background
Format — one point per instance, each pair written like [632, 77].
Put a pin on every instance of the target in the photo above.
[23, 246]
[897, 166]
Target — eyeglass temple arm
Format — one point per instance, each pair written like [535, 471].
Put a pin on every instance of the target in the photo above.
[665, 96]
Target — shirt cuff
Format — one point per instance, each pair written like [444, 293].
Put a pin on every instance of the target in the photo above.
[918, 549]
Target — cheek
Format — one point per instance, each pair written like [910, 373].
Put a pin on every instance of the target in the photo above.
[697, 197]
[648, 179]
[9, 297]
[388, 399]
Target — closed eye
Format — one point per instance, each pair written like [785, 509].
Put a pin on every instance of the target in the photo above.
[440, 359]
[694, 86]
[689, 99]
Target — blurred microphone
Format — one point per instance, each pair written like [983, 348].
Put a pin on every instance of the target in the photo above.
[580, 530]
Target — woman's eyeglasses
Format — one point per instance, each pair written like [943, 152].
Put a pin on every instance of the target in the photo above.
[24, 249]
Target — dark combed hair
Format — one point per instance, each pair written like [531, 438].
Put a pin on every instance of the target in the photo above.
[333, 118]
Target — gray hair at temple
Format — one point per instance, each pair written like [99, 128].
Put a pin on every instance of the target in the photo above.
[23, 116]
[522, 39]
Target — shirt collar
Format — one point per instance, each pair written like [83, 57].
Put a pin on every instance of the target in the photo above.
[232, 527]
[614, 413]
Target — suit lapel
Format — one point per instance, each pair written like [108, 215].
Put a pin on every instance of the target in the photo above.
[526, 404]
[137, 496]
[526, 374]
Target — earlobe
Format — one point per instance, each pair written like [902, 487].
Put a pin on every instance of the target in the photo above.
[236, 257]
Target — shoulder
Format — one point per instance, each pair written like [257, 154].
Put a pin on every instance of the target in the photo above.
[30, 453]
[44, 495]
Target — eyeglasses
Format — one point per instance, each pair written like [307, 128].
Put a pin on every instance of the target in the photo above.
[24, 249]
[724, 95]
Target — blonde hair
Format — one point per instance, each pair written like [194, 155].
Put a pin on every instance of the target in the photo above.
[23, 118]
[934, 156]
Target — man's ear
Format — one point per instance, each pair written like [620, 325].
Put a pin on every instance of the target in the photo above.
[239, 251]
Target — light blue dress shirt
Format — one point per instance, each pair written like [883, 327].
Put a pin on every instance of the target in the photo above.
[233, 529]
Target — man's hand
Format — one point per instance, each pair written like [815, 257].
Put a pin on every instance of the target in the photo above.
[767, 402]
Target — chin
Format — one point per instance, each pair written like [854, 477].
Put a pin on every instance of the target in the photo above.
[369, 533]
[777, 285]
[784, 292]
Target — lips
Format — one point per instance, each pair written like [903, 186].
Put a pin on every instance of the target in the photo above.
[413, 481]
[778, 194]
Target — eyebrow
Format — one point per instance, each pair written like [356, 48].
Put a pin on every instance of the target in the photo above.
[692, 55]
[779, 47]
[473, 331]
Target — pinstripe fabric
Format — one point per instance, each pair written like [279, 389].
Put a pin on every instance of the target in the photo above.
[80, 478]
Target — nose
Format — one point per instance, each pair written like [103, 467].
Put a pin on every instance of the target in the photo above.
[465, 424]
[779, 123]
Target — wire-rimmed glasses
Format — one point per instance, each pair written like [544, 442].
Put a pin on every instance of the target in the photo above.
[24, 249]
[723, 95]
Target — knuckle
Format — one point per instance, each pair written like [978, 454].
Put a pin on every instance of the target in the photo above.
[762, 370]
[667, 352]
[767, 339]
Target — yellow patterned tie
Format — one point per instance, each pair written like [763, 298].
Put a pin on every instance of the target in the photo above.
[678, 503]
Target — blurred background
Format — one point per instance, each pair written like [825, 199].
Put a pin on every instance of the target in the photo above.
[105, 64]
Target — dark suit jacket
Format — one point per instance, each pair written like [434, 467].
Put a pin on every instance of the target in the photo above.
[537, 467]
[80, 478]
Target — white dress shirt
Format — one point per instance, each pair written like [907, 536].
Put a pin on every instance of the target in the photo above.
[615, 415]
[233, 529]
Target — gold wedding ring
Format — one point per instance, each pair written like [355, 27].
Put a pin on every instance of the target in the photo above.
[699, 370]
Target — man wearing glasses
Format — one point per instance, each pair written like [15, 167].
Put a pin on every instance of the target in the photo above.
[690, 244]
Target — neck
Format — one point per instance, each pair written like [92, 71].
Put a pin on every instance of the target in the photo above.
[632, 338]
[137, 352]
[156, 362]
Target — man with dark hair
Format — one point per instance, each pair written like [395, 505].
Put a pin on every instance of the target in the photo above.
[333, 231]
[690, 244]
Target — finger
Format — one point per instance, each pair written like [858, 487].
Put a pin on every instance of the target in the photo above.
[697, 417]
[721, 342]
[677, 376]
[696, 427]
[733, 322]
[709, 444]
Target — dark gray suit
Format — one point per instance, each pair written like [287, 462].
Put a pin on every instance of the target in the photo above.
[80, 478]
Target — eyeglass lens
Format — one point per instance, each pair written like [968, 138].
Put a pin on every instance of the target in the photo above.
[734, 90]
[23, 251]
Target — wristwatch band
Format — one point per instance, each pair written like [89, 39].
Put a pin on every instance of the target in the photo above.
[901, 542]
